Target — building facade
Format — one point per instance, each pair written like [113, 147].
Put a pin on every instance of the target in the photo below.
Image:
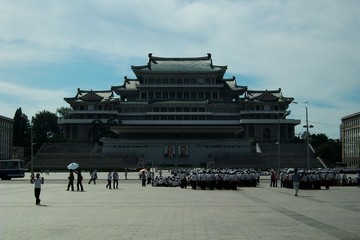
[350, 139]
[180, 111]
[6, 137]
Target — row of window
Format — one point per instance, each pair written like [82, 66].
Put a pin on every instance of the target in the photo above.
[180, 81]
[352, 122]
[181, 117]
[180, 95]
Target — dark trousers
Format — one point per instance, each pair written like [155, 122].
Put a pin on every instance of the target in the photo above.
[37, 195]
[79, 185]
[116, 184]
[70, 184]
[93, 179]
[109, 184]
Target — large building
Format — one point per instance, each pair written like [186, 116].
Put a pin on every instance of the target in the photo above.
[181, 112]
[350, 139]
[6, 137]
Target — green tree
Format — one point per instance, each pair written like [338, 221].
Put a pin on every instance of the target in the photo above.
[21, 131]
[45, 129]
[328, 150]
[100, 129]
[63, 112]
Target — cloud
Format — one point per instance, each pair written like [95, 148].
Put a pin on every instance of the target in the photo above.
[309, 49]
[31, 100]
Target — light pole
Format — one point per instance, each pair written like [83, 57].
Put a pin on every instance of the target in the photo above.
[307, 126]
[32, 147]
[278, 140]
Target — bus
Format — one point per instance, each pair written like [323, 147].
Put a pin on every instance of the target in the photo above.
[11, 168]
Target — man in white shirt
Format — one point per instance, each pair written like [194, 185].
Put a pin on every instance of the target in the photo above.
[37, 187]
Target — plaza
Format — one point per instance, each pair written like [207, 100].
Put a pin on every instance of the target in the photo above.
[135, 212]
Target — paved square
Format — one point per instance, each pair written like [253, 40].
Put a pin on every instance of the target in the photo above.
[135, 212]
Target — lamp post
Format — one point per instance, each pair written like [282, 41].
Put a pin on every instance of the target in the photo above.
[278, 138]
[32, 148]
[307, 126]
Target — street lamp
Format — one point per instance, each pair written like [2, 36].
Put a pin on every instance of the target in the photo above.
[32, 147]
[307, 126]
[278, 140]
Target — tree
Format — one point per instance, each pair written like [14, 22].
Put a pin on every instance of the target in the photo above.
[100, 129]
[21, 130]
[327, 149]
[63, 112]
[45, 128]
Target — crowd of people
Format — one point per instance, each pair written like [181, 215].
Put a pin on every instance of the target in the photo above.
[313, 179]
[209, 179]
[227, 179]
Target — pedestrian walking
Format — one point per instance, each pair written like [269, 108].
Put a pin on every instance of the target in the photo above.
[109, 177]
[71, 181]
[93, 176]
[79, 179]
[115, 177]
[296, 181]
[37, 181]
[143, 179]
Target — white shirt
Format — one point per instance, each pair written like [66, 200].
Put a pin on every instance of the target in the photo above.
[37, 182]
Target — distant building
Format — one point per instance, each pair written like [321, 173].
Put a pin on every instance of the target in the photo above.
[185, 103]
[6, 137]
[350, 139]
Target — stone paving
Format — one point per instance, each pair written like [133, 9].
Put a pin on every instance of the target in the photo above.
[135, 212]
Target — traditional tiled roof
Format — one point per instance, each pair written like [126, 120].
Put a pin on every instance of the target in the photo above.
[163, 64]
[231, 84]
[129, 84]
[267, 96]
[91, 96]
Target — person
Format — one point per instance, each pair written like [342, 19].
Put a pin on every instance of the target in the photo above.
[272, 179]
[79, 179]
[358, 178]
[296, 181]
[126, 173]
[143, 178]
[148, 177]
[115, 177]
[109, 177]
[183, 151]
[170, 151]
[71, 181]
[93, 176]
[37, 187]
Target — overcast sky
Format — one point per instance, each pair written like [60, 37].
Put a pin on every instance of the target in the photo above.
[309, 49]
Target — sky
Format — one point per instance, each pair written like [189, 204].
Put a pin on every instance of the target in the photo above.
[308, 48]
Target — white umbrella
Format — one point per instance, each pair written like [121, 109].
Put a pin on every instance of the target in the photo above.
[73, 166]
